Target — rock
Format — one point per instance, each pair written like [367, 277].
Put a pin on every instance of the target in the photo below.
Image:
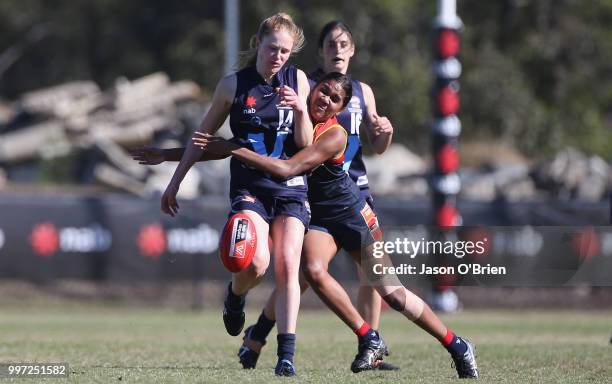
[595, 184]
[412, 187]
[477, 186]
[385, 170]
[512, 183]
[573, 175]
[509, 182]
[563, 173]
[520, 190]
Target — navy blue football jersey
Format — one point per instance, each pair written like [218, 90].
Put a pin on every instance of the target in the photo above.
[350, 119]
[261, 125]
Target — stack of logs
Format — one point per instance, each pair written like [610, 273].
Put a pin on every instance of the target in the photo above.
[79, 116]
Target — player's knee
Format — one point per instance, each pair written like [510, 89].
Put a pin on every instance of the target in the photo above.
[288, 252]
[286, 272]
[314, 271]
[406, 302]
[396, 300]
[287, 265]
[258, 267]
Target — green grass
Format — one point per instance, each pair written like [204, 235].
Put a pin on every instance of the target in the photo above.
[106, 344]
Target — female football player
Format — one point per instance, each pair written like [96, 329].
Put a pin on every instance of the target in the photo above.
[336, 48]
[341, 218]
[266, 103]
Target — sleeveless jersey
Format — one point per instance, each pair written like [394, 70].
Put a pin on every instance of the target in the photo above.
[350, 119]
[330, 188]
[261, 126]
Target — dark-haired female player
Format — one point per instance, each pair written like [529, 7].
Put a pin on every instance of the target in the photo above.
[341, 218]
[337, 48]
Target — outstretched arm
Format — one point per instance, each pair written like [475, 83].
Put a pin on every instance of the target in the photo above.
[154, 156]
[328, 146]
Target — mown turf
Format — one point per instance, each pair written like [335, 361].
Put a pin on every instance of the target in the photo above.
[104, 345]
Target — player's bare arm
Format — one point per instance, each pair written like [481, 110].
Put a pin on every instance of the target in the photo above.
[379, 128]
[303, 126]
[216, 115]
[330, 144]
[154, 156]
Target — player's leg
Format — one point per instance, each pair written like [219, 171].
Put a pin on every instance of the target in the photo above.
[319, 248]
[369, 303]
[233, 311]
[368, 300]
[369, 306]
[255, 335]
[288, 236]
[415, 309]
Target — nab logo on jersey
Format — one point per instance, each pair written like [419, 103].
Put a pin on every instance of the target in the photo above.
[285, 118]
[250, 103]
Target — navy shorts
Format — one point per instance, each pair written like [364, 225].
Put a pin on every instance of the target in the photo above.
[269, 207]
[353, 230]
[364, 191]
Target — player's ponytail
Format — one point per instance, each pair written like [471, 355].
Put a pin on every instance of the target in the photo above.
[277, 22]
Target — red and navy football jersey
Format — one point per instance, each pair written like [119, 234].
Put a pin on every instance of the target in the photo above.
[350, 119]
[260, 124]
[332, 168]
[329, 186]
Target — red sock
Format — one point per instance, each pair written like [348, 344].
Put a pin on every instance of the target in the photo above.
[448, 338]
[365, 328]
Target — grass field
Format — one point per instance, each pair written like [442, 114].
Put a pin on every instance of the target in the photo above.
[106, 344]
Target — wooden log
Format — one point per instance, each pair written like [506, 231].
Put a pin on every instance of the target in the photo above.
[46, 100]
[46, 139]
[112, 177]
[121, 159]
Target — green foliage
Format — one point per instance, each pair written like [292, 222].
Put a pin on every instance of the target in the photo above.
[498, 104]
[536, 73]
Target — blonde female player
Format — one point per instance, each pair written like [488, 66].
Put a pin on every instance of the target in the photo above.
[266, 103]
